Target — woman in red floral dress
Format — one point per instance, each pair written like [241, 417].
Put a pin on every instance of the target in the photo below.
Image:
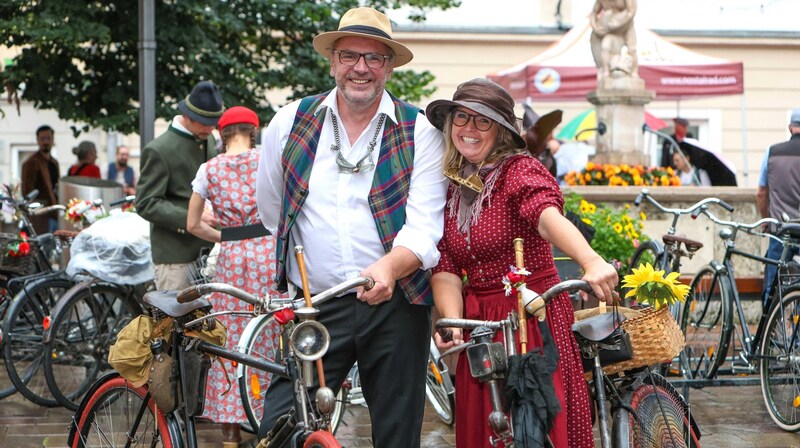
[247, 257]
[501, 193]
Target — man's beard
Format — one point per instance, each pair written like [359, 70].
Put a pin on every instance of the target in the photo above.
[122, 163]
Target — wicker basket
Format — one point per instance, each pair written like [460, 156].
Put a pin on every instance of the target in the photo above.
[655, 337]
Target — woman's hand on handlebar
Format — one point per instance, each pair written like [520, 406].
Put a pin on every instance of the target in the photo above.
[454, 337]
[603, 278]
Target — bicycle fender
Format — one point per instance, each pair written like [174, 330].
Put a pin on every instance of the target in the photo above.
[247, 333]
[73, 426]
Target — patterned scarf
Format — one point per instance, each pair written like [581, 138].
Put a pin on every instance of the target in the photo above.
[466, 204]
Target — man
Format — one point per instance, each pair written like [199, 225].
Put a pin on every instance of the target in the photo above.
[779, 191]
[40, 172]
[120, 172]
[681, 126]
[364, 195]
[169, 164]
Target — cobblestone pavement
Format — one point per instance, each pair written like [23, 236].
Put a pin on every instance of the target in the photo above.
[729, 417]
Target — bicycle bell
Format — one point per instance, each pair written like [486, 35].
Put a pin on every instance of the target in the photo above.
[486, 358]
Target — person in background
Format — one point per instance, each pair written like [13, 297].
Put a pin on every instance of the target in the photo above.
[40, 172]
[120, 172]
[169, 163]
[779, 190]
[354, 175]
[87, 155]
[247, 255]
[500, 193]
[681, 131]
[688, 173]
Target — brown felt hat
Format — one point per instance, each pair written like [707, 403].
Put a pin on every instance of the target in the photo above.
[364, 22]
[544, 124]
[484, 97]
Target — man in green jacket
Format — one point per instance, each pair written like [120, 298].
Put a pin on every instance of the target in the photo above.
[168, 166]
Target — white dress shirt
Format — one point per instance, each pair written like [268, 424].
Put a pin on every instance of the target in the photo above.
[335, 225]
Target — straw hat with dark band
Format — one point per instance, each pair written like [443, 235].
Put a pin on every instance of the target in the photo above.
[484, 97]
[364, 22]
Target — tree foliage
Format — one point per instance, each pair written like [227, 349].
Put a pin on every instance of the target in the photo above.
[79, 57]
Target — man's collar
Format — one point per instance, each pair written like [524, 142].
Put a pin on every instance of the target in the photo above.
[386, 105]
[176, 124]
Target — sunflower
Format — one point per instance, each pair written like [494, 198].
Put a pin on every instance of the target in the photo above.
[650, 286]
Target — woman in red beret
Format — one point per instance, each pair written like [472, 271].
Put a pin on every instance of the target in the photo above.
[247, 254]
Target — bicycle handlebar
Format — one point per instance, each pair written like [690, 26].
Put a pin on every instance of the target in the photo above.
[197, 291]
[739, 225]
[126, 200]
[443, 324]
[645, 194]
[48, 209]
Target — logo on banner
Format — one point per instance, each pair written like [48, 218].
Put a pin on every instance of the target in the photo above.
[547, 80]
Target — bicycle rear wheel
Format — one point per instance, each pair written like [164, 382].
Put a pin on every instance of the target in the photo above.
[321, 439]
[82, 329]
[780, 362]
[706, 323]
[660, 418]
[116, 413]
[22, 336]
[6, 387]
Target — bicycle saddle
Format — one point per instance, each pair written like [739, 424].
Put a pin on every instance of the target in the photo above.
[599, 327]
[167, 302]
[691, 245]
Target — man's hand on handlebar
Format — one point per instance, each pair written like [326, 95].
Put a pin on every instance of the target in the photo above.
[453, 337]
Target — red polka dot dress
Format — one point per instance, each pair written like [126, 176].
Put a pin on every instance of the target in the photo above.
[517, 191]
[246, 264]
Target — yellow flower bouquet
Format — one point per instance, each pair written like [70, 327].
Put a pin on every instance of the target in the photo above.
[650, 287]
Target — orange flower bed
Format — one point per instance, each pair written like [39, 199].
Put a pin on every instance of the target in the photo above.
[623, 175]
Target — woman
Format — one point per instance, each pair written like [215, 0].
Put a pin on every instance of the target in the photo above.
[247, 256]
[87, 155]
[501, 193]
[688, 173]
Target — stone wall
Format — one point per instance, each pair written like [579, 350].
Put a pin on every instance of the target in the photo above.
[702, 229]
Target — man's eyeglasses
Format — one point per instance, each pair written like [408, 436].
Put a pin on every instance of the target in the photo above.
[481, 123]
[350, 58]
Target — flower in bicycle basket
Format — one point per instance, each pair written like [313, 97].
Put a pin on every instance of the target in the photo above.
[651, 287]
[514, 279]
[75, 210]
[19, 248]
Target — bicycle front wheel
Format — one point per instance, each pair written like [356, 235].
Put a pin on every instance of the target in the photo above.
[83, 327]
[706, 322]
[117, 413]
[660, 418]
[779, 363]
[23, 327]
[321, 439]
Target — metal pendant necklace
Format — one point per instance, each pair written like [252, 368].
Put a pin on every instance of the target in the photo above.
[365, 164]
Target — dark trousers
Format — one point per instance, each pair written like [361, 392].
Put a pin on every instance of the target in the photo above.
[390, 341]
[774, 251]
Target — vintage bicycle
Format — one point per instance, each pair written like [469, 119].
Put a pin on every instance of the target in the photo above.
[116, 413]
[773, 349]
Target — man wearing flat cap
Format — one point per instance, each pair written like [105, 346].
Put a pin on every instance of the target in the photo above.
[354, 175]
[168, 166]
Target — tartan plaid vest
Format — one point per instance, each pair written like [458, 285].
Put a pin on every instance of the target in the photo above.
[387, 196]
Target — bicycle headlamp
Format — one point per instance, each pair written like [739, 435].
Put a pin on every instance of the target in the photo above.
[310, 340]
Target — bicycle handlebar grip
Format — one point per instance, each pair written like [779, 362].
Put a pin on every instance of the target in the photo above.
[446, 334]
[696, 212]
[124, 200]
[725, 205]
[189, 294]
[32, 195]
[638, 199]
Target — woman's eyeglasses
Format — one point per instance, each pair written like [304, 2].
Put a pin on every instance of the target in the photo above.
[481, 123]
[350, 58]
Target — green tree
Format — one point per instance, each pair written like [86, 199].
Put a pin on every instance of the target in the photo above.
[79, 57]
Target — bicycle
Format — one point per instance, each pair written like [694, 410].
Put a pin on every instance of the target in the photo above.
[114, 412]
[773, 350]
[666, 255]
